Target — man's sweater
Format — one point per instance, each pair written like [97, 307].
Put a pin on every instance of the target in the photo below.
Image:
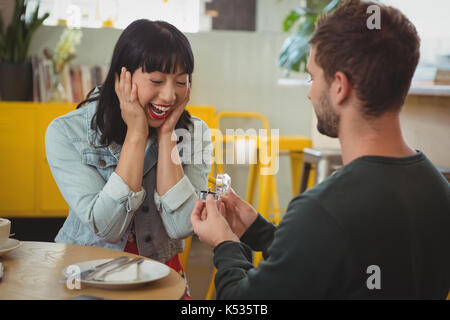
[379, 228]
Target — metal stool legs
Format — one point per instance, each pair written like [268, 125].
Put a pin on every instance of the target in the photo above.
[325, 161]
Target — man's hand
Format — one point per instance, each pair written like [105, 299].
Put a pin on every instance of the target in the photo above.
[210, 226]
[240, 215]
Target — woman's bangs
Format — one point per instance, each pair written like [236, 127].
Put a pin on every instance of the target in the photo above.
[167, 62]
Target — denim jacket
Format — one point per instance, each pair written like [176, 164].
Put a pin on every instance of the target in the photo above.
[102, 208]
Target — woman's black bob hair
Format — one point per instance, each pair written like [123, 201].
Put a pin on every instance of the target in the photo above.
[152, 46]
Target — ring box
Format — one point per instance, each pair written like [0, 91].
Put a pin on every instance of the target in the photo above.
[223, 183]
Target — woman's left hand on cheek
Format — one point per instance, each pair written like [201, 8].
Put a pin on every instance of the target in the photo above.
[171, 121]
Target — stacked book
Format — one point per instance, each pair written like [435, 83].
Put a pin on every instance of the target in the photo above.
[76, 80]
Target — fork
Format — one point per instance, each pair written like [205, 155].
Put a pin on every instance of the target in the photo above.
[116, 264]
[120, 267]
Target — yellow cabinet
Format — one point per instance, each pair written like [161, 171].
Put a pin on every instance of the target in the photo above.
[27, 187]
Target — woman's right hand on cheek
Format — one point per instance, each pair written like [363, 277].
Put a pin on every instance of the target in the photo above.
[133, 114]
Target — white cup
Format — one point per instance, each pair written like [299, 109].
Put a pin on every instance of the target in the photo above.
[5, 229]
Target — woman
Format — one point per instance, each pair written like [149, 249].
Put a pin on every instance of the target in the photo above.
[113, 158]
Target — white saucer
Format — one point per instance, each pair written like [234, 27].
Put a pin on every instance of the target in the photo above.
[9, 245]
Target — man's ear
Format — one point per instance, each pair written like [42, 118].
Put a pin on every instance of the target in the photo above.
[341, 88]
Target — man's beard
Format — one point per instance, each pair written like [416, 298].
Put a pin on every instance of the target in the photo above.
[327, 119]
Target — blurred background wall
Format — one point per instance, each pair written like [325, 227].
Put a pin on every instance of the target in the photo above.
[236, 70]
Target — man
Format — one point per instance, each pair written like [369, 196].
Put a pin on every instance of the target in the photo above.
[379, 228]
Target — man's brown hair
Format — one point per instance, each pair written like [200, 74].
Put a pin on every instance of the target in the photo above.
[379, 63]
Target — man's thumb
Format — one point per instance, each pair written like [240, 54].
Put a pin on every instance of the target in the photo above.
[211, 204]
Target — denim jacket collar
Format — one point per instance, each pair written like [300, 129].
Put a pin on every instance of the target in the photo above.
[151, 155]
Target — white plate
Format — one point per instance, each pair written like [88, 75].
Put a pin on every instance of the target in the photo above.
[10, 245]
[149, 271]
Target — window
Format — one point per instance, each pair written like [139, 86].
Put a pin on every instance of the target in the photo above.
[429, 17]
[433, 25]
[184, 14]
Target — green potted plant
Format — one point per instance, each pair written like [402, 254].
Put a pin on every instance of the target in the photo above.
[301, 22]
[15, 67]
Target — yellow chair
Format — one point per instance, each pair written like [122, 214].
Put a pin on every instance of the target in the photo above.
[267, 188]
[258, 144]
[235, 114]
[219, 140]
[207, 114]
[267, 191]
[211, 288]
[267, 185]
[294, 145]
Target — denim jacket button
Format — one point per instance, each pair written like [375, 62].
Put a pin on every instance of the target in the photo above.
[145, 208]
[101, 162]
[148, 238]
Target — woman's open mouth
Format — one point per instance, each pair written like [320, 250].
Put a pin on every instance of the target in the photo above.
[158, 111]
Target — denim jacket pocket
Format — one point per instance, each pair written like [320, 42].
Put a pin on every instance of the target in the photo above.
[103, 160]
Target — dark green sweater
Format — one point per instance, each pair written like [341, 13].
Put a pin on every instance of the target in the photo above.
[392, 213]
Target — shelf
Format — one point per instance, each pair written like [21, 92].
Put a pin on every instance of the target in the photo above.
[429, 89]
[288, 82]
[421, 89]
